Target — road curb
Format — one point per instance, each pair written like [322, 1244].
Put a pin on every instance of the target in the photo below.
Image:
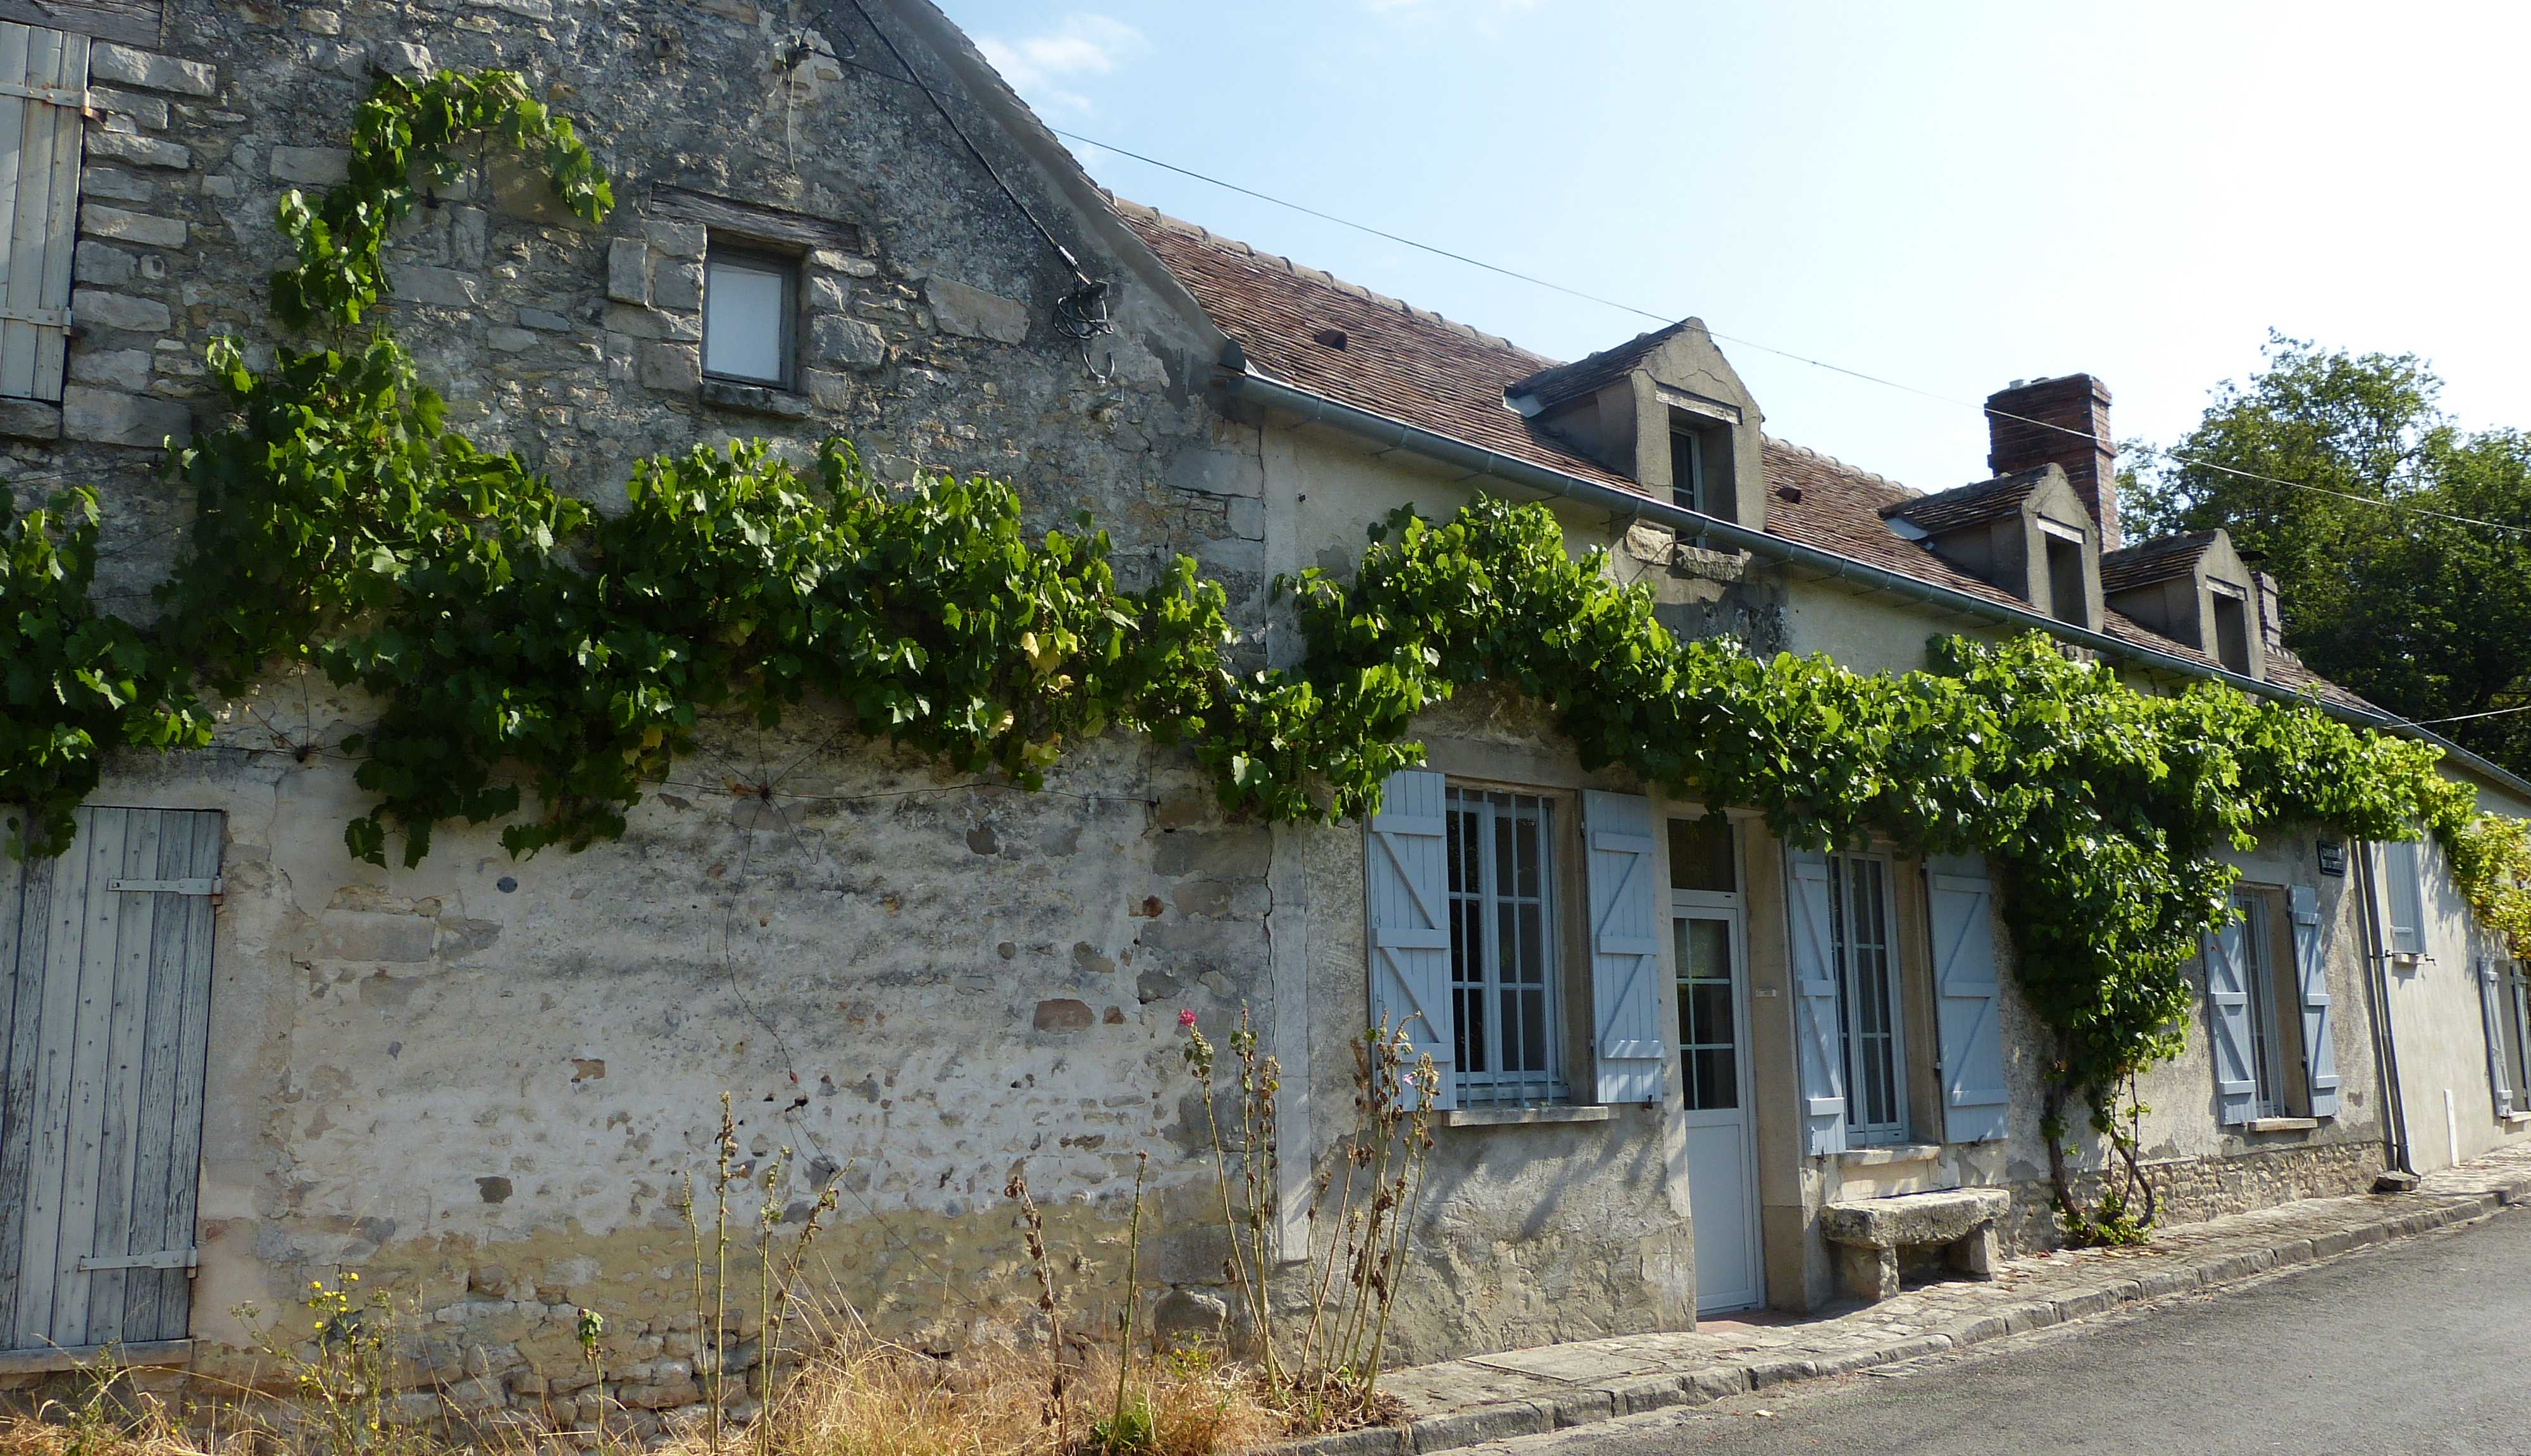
[1587, 1405]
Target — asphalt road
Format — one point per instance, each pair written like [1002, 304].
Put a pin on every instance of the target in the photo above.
[2420, 1346]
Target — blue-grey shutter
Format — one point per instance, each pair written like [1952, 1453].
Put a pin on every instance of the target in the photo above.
[1974, 1097]
[2228, 1024]
[109, 1017]
[44, 92]
[2403, 886]
[2492, 1010]
[1406, 877]
[2311, 980]
[1625, 949]
[1818, 1045]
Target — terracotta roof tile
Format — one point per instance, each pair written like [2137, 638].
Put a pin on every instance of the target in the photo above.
[1360, 348]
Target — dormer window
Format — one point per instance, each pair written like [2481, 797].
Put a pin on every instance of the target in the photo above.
[2231, 626]
[1665, 411]
[2028, 534]
[1686, 467]
[2066, 585]
[2195, 590]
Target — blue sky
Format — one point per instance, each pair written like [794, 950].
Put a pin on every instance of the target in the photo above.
[1951, 195]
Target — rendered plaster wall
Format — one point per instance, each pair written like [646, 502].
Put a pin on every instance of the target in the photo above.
[1527, 1234]
[482, 1083]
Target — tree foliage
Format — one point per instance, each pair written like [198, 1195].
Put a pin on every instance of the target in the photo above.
[2428, 616]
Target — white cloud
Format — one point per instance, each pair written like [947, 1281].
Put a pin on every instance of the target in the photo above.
[1047, 68]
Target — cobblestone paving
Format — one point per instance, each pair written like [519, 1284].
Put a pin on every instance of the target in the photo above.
[1522, 1392]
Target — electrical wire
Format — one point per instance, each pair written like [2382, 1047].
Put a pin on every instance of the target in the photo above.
[1764, 348]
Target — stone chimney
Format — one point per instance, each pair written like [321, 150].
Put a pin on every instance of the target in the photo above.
[2063, 422]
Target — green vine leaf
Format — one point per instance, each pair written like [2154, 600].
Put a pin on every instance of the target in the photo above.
[402, 129]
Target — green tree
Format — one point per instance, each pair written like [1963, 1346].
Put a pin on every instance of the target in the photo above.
[2428, 616]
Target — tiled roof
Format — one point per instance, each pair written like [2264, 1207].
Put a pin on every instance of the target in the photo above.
[1346, 343]
[2153, 561]
[1967, 505]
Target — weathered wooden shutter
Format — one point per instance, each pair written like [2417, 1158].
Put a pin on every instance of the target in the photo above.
[108, 1014]
[1626, 949]
[2228, 1024]
[2493, 1010]
[1406, 874]
[43, 99]
[2311, 978]
[2403, 886]
[1818, 1045]
[1974, 1097]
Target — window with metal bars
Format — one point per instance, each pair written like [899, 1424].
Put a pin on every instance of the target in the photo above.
[1503, 989]
[2258, 962]
[2515, 1028]
[1867, 1003]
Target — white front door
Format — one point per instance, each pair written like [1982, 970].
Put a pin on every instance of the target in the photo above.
[1713, 1074]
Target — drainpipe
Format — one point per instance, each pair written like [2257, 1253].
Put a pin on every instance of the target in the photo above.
[1694, 525]
[2386, 1041]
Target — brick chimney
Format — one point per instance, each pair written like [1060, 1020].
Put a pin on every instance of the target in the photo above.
[2064, 421]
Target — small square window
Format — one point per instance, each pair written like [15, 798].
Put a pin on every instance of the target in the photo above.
[749, 302]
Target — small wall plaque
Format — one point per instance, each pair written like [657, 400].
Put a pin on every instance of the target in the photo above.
[2332, 857]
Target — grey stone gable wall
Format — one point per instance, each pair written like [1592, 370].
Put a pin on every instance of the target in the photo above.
[925, 336]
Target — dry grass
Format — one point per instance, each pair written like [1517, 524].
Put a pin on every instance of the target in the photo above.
[857, 1397]
[879, 1400]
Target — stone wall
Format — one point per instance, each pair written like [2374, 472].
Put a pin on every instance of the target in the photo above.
[2196, 1189]
[482, 1082]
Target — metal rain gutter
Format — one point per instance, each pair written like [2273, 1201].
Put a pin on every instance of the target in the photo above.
[1695, 526]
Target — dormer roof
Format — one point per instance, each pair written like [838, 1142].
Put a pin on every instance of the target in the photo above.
[1569, 381]
[2156, 560]
[1968, 505]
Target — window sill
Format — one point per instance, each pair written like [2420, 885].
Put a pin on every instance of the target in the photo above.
[2516, 1119]
[30, 420]
[2280, 1125]
[1521, 1117]
[154, 1353]
[755, 398]
[1883, 1156]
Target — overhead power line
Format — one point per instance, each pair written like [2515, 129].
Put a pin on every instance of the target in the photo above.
[1819, 363]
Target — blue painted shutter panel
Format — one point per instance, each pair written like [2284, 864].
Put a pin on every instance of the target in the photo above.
[1406, 878]
[2228, 1024]
[2311, 978]
[1974, 1098]
[2403, 886]
[2491, 1009]
[1625, 947]
[1817, 1045]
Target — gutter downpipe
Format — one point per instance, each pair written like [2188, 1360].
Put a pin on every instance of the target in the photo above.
[2386, 1049]
[1695, 526]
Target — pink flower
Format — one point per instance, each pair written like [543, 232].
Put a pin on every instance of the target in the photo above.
[1185, 1018]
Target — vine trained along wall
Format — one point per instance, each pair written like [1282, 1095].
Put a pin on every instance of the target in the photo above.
[537, 663]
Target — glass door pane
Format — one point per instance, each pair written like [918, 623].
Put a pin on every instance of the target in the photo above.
[1708, 1037]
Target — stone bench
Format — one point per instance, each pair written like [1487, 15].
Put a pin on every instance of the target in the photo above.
[1866, 1235]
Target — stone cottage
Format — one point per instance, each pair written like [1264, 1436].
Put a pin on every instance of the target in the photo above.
[238, 1059]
